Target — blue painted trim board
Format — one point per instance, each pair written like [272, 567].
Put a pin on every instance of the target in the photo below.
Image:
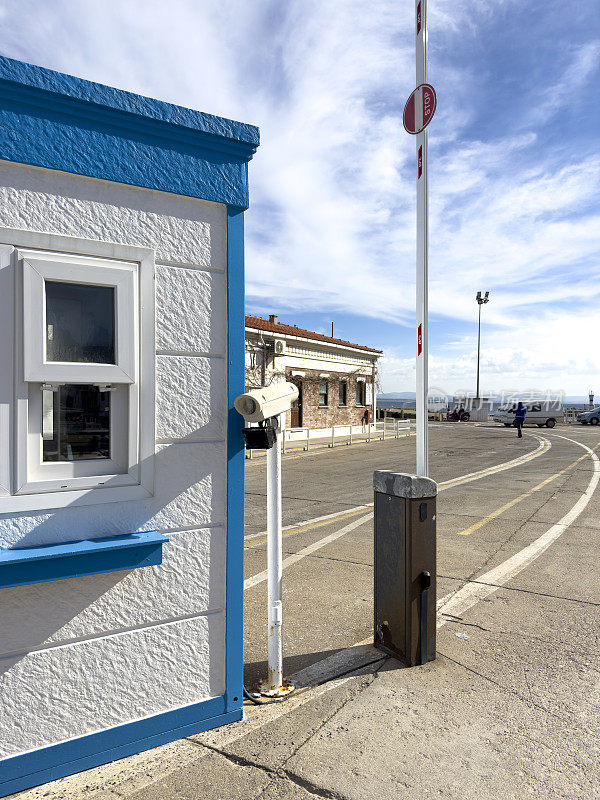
[26, 565]
[234, 657]
[106, 97]
[60, 122]
[57, 761]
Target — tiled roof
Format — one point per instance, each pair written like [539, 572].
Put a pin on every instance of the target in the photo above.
[291, 330]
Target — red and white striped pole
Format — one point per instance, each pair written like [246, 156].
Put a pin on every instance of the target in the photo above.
[422, 240]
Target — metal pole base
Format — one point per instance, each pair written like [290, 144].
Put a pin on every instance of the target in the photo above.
[267, 690]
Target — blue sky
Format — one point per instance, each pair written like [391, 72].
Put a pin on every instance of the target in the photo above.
[514, 163]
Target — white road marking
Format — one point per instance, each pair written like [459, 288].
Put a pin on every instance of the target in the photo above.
[307, 551]
[472, 476]
[474, 591]
[443, 600]
[258, 716]
[349, 659]
[544, 446]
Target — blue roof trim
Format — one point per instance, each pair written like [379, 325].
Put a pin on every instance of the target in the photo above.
[57, 121]
[107, 97]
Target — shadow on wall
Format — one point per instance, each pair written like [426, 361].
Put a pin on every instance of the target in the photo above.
[48, 614]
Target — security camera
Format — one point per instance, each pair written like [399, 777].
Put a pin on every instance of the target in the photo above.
[261, 404]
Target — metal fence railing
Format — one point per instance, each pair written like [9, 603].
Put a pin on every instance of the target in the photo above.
[304, 439]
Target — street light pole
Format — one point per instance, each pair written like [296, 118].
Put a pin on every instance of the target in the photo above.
[478, 349]
[480, 301]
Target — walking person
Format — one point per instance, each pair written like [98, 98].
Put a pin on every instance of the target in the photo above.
[520, 414]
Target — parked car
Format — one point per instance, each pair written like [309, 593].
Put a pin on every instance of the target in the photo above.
[592, 416]
[539, 412]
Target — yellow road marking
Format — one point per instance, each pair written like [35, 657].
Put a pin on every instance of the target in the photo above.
[477, 525]
[309, 526]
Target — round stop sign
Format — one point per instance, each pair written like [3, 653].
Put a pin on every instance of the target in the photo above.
[419, 109]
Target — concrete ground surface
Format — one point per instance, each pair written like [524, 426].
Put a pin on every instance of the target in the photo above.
[509, 709]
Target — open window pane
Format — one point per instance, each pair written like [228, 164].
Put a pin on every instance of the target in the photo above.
[80, 323]
[76, 423]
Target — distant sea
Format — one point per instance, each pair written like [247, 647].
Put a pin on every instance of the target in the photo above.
[409, 405]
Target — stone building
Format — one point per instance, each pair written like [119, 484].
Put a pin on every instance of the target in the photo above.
[336, 379]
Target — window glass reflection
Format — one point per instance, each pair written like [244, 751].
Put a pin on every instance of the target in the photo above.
[80, 323]
[76, 423]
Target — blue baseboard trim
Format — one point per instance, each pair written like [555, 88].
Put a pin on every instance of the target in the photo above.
[54, 562]
[57, 761]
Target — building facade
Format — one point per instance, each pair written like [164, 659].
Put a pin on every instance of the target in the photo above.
[121, 453]
[336, 379]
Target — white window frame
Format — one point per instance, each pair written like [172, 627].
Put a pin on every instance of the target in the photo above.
[7, 299]
[27, 259]
[122, 277]
[319, 393]
[34, 475]
[361, 392]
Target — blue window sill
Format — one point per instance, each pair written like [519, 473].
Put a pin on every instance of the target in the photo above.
[55, 562]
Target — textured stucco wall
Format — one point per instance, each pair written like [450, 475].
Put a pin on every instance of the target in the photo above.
[80, 655]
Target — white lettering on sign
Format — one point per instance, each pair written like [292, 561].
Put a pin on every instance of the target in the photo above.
[426, 104]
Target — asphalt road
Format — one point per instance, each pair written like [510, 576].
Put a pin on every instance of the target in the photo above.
[514, 692]
[510, 708]
[328, 597]
[331, 480]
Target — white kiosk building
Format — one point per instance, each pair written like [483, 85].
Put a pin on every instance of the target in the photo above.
[121, 454]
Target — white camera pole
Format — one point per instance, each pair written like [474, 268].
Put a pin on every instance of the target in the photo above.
[275, 686]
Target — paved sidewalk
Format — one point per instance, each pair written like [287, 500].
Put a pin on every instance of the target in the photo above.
[510, 708]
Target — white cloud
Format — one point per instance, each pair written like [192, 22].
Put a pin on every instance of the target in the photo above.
[331, 226]
[554, 351]
[580, 68]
